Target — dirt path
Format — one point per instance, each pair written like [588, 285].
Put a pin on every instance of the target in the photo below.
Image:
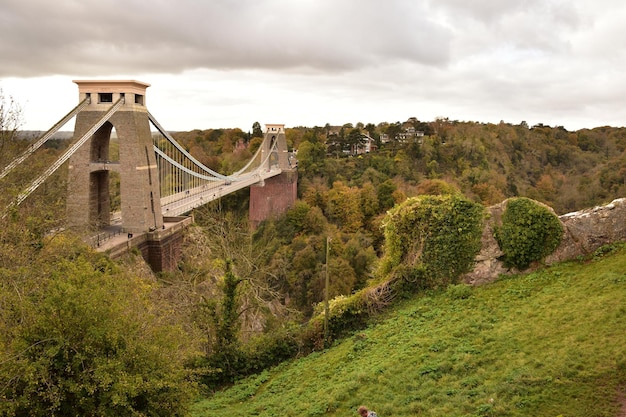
[621, 398]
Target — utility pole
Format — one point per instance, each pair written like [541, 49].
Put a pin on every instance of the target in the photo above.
[326, 294]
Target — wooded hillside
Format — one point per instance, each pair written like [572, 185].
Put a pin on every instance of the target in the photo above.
[243, 300]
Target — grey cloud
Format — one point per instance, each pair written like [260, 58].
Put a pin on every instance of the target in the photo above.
[39, 37]
[540, 25]
[549, 61]
[486, 11]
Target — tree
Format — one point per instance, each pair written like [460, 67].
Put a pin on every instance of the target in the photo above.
[230, 247]
[257, 132]
[369, 201]
[10, 145]
[10, 123]
[354, 140]
[344, 207]
[370, 128]
[81, 337]
[393, 130]
[39, 214]
[310, 158]
[385, 192]
[225, 357]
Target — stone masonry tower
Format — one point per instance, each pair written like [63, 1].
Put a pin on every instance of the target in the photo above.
[275, 195]
[89, 205]
[276, 135]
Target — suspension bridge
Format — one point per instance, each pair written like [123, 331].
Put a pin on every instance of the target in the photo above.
[160, 181]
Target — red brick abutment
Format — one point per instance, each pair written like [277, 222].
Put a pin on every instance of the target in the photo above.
[161, 249]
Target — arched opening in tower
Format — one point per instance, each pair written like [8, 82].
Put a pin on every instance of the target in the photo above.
[104, 177]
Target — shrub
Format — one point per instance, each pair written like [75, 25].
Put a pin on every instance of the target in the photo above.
[270, 349]
[347, 314]
[432, 240]
[529, 232]
[83, 338]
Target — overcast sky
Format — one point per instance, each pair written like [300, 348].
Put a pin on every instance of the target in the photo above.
[229, 63]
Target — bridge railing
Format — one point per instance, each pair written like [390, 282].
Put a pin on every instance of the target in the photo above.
[102, 237]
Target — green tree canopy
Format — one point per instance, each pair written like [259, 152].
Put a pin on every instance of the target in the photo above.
[81, 338]
[257, 132]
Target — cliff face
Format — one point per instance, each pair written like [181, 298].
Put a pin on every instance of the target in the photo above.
[583, 232]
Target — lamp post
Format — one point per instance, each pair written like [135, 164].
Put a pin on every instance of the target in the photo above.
[326, 294]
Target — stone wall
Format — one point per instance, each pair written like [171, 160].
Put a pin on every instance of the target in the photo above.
[163, 254]
[161, 248]
[583, 232]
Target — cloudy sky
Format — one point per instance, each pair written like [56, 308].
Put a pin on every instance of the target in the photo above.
[229, 63]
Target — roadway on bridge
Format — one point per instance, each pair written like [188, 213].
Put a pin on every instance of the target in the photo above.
[184, 202]
[113, 236]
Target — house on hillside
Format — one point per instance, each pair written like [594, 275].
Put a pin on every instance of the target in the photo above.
[348, 141]
[333, 131]
[368, 145]
[410, 133]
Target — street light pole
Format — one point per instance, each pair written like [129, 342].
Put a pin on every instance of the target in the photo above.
[326, 294]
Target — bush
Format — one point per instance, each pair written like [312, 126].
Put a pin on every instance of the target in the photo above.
[83, 338]
[432, 240]
[270, 349]
[529, 232]
[345, 314]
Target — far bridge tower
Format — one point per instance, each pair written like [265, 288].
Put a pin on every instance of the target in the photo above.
[275, 195]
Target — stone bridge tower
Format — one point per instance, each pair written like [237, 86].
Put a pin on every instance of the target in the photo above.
[275, 195]
[275, 138]
[90, 167]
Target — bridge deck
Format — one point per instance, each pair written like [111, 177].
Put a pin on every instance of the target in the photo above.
[185, 201]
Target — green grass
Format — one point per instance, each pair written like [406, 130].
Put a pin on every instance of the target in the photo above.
[550, 343]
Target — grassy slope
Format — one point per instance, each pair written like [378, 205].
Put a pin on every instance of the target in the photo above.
[545, 344]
